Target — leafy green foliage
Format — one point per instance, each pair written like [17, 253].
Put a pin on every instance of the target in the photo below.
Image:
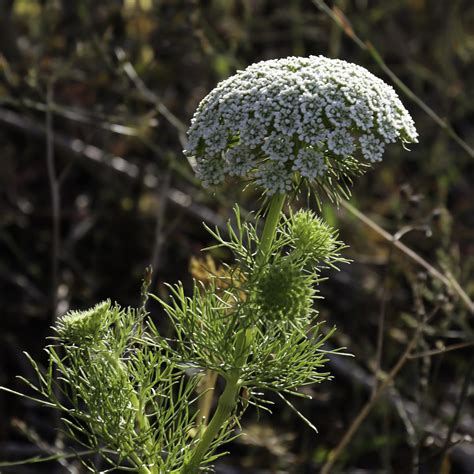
[117, 396]
[272, 297]
[126, 392]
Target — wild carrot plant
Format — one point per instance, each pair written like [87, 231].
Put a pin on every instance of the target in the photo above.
[130, 394]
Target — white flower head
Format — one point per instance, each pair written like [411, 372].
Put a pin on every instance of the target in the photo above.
[291, 118]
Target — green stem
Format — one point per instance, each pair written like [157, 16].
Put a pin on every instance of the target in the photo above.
[144, 426]
[227, 402]
[271, 221]
[142, 419]
[141, 468]
[225, 406]
[229, 398]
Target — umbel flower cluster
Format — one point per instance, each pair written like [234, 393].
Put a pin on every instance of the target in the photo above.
[291, 118]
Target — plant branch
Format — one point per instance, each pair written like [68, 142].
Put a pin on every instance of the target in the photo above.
[381, 322]
[141, 417]
[228, 399]
[434, 352]
[462, 399]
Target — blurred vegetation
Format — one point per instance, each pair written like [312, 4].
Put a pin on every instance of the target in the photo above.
[95, 98]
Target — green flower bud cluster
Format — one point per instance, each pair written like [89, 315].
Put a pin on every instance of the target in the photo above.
[285, 288]
[89, 325]
[275, 294]
[284, 292]
[312, 239]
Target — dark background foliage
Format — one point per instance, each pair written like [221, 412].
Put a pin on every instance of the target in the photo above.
[94, 100]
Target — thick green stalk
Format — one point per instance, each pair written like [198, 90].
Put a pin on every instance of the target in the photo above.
[225, 406]
[228, 400]
[271, 221]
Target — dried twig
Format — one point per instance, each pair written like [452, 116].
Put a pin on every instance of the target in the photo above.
[381, 321]
[75, 114]
[462, 398]
[434, 352]
[55, 201]
[114, 164]
[334, 455]
[448, 281]
[206, 399]
[159, 237]
[149, 95]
